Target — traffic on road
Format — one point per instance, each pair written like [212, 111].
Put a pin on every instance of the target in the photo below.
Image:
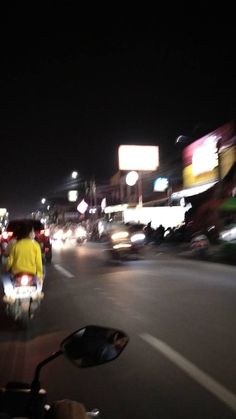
[176, 313]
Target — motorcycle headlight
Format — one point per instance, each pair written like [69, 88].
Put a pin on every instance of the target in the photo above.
[121, 246]
[139, 237]
[119, 235]
[80, 232]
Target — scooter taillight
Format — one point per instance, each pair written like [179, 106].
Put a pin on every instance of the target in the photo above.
[24, 280]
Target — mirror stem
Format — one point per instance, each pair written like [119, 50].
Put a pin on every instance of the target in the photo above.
[35, 385]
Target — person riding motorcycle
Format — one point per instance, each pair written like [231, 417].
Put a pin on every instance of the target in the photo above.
[24, 256]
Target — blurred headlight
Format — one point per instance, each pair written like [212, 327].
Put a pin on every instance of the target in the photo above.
[121, 245]
[47, 232]
[137, 237]
[58, 235]
[119, 235]
[81, 232]
[228, 235]
[5, 235]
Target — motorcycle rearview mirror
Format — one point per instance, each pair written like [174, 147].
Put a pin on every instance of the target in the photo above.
[87, 347]
[94, 345]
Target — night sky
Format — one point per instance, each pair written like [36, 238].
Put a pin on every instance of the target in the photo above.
[73, 87]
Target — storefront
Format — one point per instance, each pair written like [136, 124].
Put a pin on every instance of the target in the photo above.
[209, 177]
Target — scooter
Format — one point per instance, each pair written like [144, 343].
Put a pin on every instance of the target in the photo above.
[124, 244]
[24, 299]
[86, 347]
[81, 235]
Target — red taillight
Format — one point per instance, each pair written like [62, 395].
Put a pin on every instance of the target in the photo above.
[24, 280]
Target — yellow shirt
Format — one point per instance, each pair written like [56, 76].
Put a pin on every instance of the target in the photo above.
[25, 256]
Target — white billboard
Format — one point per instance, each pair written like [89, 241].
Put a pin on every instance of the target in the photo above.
[135, 157]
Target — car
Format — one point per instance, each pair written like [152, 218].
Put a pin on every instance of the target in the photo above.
[42, 236]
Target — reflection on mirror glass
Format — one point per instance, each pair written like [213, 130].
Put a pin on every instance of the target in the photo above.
[94, 345]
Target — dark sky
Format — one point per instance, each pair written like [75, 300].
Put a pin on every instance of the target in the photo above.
[73, 87]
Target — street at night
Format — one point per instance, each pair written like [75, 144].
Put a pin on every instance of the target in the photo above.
[118, 212]
[180, 317]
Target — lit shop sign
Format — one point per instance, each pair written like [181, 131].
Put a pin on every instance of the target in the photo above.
[82, 207]
[134, 157]
[131, 178]
[200, 161]
[205, 157]
[72, 196]
[161, 184]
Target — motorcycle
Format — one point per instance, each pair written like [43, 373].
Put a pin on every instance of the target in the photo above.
[125, 244]
[81, 235]
[24, 298]
[86, 347]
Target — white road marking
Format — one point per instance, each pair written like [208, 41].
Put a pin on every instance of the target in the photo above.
[64, 271]
[194, 372]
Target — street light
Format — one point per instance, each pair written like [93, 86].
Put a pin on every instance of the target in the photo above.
[74, 175]
[43, 200]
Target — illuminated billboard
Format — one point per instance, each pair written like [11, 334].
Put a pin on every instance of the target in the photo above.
[134, 157]
[72, 196]
[201, 161]
[201, 158]
[161, 184]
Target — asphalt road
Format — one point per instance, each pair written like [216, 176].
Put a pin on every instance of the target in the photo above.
[179, 314]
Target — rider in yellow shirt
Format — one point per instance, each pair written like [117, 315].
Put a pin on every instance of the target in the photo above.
[24, 256]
